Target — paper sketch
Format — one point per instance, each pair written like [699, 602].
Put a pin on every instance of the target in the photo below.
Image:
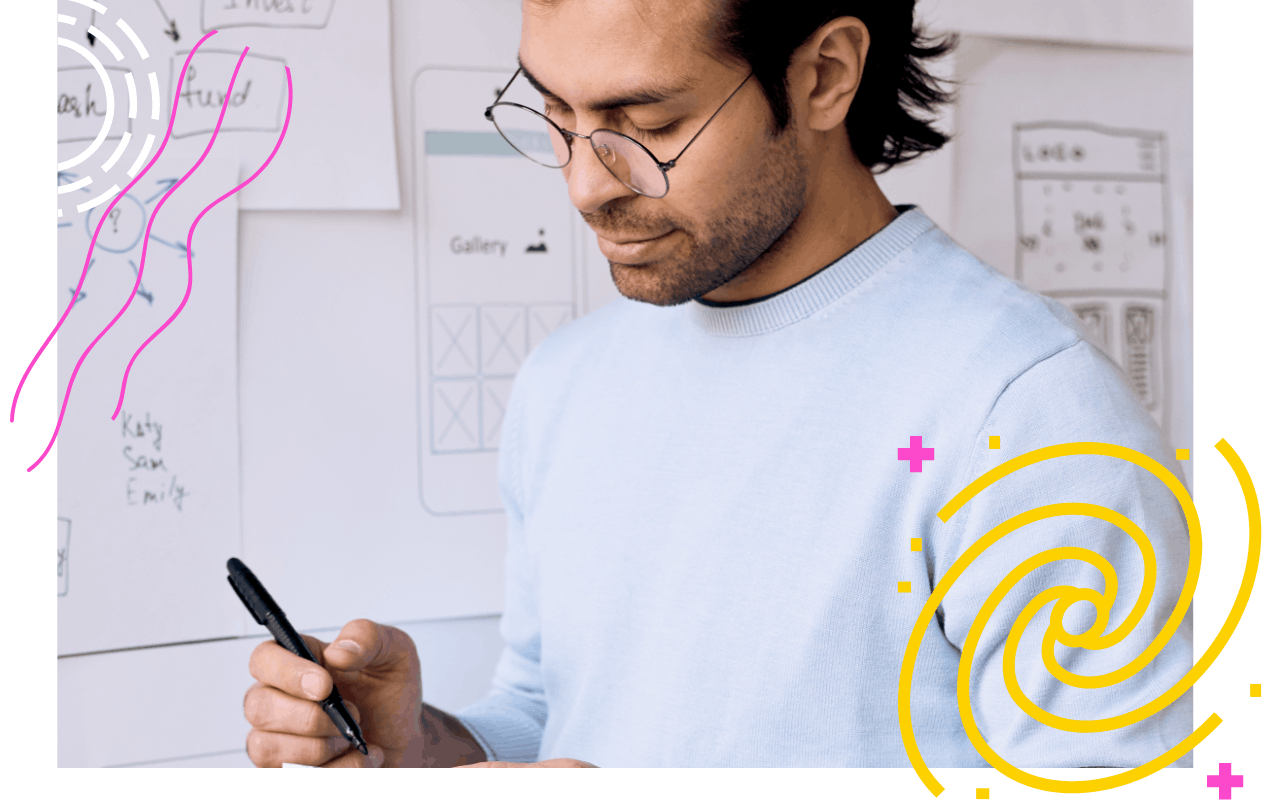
[340, 150]
[497, 272]
[1091, 231]
[1071, 164]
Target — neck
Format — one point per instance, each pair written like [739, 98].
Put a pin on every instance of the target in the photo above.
[844, 206]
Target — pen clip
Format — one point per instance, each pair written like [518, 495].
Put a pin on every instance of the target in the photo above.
[253, 613]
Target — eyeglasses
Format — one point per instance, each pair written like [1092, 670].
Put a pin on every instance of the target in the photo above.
[543, 141]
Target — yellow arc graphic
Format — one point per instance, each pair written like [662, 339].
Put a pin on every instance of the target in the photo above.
[1064, 597]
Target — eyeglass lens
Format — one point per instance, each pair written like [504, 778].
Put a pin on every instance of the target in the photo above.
[535, 137]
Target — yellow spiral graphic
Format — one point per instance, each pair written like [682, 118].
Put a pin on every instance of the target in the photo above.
[1064, 597]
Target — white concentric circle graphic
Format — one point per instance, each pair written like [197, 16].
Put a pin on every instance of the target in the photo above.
[79, 192]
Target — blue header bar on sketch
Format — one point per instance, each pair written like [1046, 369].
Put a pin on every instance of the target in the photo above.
[467, 143]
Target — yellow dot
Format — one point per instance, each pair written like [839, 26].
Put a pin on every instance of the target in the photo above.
[994, 443]
[983, 794]
[1182, 455]
[915, 545]
[904, 587]
[1255, 690]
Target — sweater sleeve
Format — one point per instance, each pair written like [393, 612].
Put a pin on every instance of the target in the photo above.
[1075, 395]
[508, 722]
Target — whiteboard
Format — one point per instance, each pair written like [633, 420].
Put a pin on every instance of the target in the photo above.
[149, 500]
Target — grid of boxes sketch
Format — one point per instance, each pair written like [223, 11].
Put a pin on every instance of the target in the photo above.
[475, 352]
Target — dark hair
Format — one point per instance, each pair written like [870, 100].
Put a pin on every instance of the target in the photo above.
[882, 126]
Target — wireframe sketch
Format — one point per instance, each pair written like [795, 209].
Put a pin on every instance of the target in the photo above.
[1092, 232]
[496, 274]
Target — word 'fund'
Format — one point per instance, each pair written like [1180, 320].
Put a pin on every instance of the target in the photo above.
[211, 97]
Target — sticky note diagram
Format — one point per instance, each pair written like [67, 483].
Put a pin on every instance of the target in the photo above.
[1092, 232]
[497, 272]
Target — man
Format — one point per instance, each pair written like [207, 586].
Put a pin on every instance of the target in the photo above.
[721, 491]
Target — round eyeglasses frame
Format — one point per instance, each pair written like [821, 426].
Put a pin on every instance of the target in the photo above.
[569, 136]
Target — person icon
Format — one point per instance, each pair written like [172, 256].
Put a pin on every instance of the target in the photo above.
[542, 247]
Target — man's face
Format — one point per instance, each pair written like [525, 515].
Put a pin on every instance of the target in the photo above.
[734, 192]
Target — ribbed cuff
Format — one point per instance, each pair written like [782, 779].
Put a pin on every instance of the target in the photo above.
[504, 731]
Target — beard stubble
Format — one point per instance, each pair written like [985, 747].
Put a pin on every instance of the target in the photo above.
[762, 211]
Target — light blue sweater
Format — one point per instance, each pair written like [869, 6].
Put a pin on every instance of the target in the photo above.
[708, 520]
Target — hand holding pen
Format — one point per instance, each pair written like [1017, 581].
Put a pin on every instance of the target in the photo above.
[377, 673]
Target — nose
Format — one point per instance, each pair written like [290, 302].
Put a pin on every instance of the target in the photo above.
[591, 185]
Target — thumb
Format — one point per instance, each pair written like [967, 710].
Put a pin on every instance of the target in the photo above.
[363, 643]
[355, 647]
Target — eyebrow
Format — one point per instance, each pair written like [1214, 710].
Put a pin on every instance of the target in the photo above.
[643, 96]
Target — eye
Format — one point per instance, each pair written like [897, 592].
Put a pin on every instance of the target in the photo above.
[652, 133]
[554, 110]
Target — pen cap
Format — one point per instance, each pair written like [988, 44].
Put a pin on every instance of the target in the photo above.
[250, 590]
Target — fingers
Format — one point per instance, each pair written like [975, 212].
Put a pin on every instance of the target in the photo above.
[294, 731]
[269, 749]
[363, 643]
[269, 709]
[275, 666]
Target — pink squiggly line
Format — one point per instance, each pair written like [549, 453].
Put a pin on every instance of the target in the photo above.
[189, 246]
[87, 262]
[145, 249]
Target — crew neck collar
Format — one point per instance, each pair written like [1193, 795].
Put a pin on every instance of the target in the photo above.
[799, 301]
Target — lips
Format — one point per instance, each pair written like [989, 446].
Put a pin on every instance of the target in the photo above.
[633, 251]
[631, 240]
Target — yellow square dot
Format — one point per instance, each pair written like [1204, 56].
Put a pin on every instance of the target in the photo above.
[1255, 690]
[904, 587]
[983, 794]
[1182, 455]
[915, 545]
[994, 443]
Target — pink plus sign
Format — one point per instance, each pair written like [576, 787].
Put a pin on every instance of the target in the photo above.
[1224, 781]
[915, 454]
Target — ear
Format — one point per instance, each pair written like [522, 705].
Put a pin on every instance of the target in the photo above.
[825, 72]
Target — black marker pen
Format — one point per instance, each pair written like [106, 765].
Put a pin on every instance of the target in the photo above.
[265, 612]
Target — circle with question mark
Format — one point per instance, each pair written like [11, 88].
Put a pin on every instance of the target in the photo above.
[123, 227]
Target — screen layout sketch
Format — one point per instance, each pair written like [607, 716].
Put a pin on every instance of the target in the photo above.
[1092, 233]
[497, 271]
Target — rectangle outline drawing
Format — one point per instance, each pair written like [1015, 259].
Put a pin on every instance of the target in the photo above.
[117, 105]
[226, 128]
[327, 16]
[63, 564]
